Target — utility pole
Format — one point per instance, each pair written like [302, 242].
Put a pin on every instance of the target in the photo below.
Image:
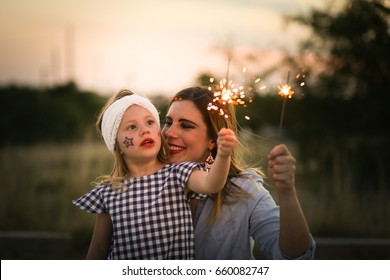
[69, 54]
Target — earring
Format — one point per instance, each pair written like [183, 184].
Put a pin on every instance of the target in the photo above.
[209, 161]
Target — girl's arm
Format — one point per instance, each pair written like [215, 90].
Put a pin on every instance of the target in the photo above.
[214, 181]
[294, 238]
[101, 238]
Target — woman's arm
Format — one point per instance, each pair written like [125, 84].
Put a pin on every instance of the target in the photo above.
[101, 238]
[295, 236]
[214, 181]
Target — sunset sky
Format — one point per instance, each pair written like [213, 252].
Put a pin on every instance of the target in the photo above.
[149, 46]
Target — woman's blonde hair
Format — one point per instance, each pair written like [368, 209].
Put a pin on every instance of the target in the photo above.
[120, 170]
[202, 97]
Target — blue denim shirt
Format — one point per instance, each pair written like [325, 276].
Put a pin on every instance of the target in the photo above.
[232, 236]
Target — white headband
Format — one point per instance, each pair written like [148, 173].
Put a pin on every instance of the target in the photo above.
[112, 117]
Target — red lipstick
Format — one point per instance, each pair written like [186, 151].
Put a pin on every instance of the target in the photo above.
[149, 142]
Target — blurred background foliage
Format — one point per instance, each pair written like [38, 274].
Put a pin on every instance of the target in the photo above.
[62, 113]
[338, 131]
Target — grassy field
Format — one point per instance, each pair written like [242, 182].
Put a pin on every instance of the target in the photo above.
[39, 183]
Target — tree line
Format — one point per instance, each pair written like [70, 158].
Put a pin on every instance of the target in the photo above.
[31, 115]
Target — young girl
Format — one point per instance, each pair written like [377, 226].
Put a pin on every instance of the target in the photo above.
[142, 211]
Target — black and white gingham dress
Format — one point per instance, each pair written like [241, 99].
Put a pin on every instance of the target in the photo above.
[150, 215]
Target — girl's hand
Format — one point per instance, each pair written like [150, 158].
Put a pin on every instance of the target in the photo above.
[226, 142]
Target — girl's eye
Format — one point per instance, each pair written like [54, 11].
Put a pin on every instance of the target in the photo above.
[131, 127]
[150, 122]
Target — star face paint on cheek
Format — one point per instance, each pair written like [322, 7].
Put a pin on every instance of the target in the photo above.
[128, 142]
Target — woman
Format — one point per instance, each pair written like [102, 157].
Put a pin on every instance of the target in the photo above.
[229, 223]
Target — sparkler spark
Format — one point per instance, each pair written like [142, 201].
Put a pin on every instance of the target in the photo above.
[286, 91]
[227, 92]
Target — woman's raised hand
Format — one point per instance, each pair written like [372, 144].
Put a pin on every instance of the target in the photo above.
[281, 167]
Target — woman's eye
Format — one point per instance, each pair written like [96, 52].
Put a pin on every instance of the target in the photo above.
[187, 126]
[168, 123]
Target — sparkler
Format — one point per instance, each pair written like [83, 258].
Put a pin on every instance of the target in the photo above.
[227, 92]
[286, 92]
